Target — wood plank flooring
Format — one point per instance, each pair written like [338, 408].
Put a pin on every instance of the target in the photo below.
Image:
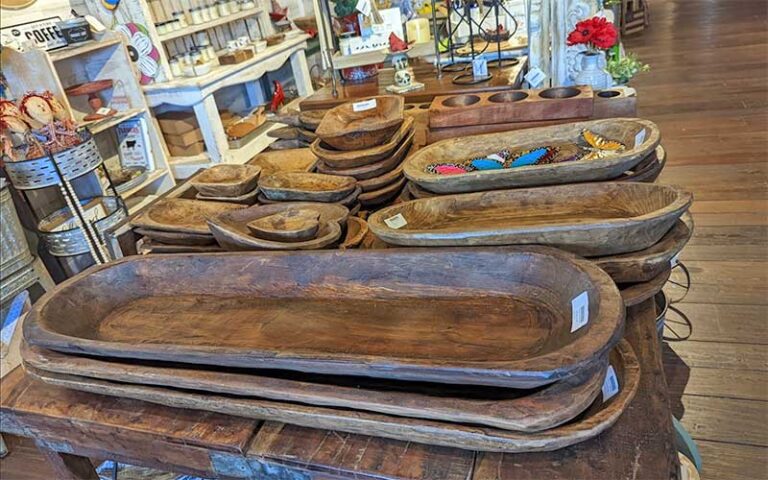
[708, 91]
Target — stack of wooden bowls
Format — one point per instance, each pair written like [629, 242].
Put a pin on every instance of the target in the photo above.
[299, 131]
[179, 225]
[411, 344]
[309, 187]
[228, 183]
[367, 140]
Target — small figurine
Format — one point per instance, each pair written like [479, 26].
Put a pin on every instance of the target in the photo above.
[278, 98]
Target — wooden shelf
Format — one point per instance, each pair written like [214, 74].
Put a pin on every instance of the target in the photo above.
[205, 26]
[98, 126]
[151, 178]
[80, 49]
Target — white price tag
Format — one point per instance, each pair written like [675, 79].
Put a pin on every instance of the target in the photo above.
[364, 7]
[640, 137]
[535, 77]
[674, 260]
[364, 105]
[397, 221]
[479, 68]
[610, 384]
[579, 311]
[104, 111]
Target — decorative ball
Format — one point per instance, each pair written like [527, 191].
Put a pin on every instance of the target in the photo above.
[402, 78]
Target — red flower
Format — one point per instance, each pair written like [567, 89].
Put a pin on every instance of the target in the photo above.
[596, 31]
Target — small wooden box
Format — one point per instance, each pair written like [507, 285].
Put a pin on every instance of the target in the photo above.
[238, 56]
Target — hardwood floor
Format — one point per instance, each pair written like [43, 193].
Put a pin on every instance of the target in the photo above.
[708, 91]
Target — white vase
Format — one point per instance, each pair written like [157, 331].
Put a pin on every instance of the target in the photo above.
[593, 71]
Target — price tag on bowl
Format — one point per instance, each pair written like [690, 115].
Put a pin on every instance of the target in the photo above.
[579, 311]
[610, 384]
[640, 137]
[364, 105]
[396, 221]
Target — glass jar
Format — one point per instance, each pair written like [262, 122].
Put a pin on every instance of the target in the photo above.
[205, 14]
[197, 16]
[176, 67]
[223, 7]
[182, 19]
[211, 52]
[234, 6]
[175, 25]
[213, 11]
[196, 57]
[162, 28]
[248, 5]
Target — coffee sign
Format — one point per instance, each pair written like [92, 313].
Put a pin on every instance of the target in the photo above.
[43, 33]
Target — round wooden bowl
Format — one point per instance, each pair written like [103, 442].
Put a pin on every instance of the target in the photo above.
[344, 159]
[348, 127]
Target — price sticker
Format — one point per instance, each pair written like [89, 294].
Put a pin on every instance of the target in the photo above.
[535, 77]
[579, 311]
[479, 68]
[397, 221]
[364, 105]
[610, 384]
[104, 111]
[640, 137]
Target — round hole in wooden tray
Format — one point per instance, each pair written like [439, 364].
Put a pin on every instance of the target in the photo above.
[560, 92]
[608, 94]
[508, 97]
[461, 101]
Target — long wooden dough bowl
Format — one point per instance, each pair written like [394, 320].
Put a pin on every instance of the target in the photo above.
[227, 180]
[643, 265]
[439, 316]
[508, 409]
[593, 219]
[625, 130]
[358, 158]
[181, 215]
[306, 187]
[362, 123]
[600, 416]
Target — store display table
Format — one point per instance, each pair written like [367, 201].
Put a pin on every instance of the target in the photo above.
[509, 77]
[70, 427]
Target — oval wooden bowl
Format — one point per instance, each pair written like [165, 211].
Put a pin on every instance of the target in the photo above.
[234, 239]
[245, 199]
[381, 181]
[345, 129]
[358, 158]
[378, 197]
[648, 170]
[374, 169]
[439, 316]
[306, 187]
[417, 192]
[643, 265]
[357, 229]
[636, 293]
[288, 226]
[181, 215]
[510, 409]
[349, 201]
[296, 160]
[227, 180]
[311, 119]
[465, 148]
[592, 219]
[177, 238]
[599, 417]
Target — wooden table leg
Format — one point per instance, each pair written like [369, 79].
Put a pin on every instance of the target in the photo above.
[68, 466]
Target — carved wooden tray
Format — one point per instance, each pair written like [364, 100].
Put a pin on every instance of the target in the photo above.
[306, 187]
[415, 314]
[232, 230]
[287, 226]
[374, 169]
[227, 180]
[248, 198]
[349, 201]
[643, 265]
[600, 416]
[358, 158]
[181, 215]
[362, 124]
[507, 409]
[357, 229]
[625, 130]
[591, 219]
[177, 238]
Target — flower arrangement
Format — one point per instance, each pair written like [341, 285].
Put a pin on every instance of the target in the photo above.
[596, 33]
[623, 68]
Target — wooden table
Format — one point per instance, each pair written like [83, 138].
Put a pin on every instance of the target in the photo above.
[509, 78]
[69, 427]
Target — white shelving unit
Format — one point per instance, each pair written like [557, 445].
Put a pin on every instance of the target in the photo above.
[105, 58]
[198, 93]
